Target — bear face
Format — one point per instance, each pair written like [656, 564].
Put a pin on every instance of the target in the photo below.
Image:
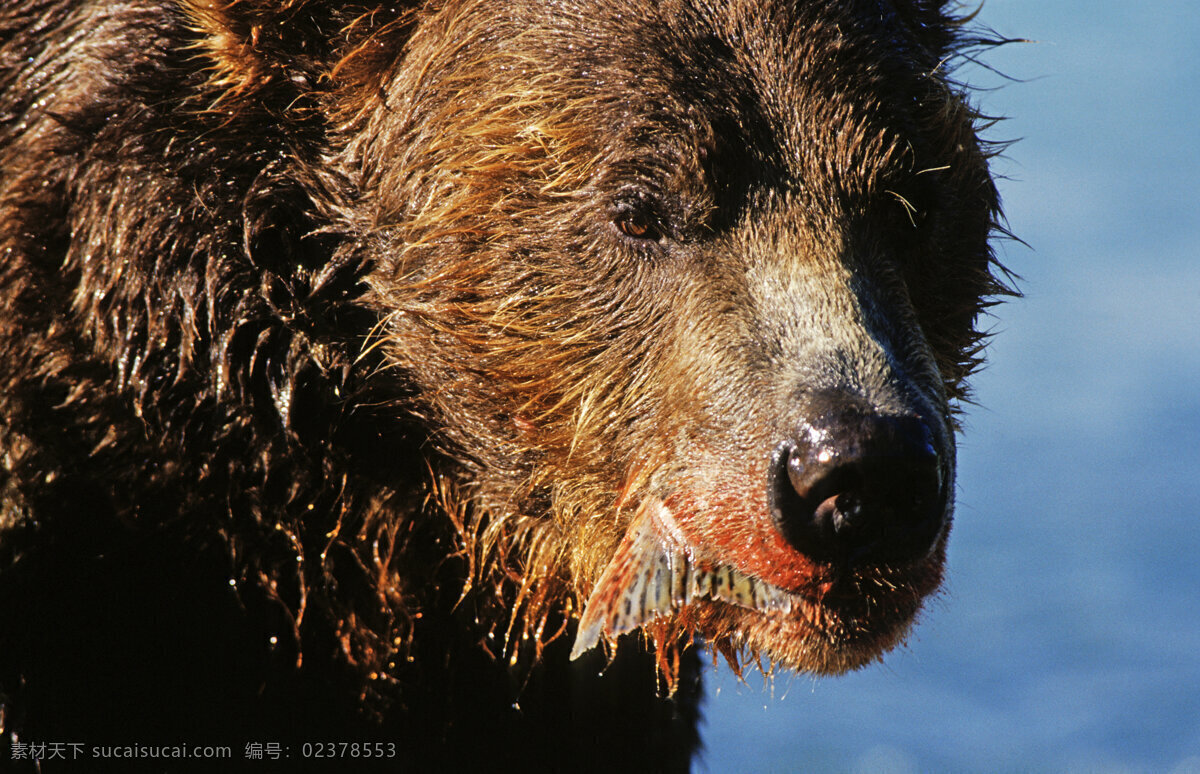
[691, 253]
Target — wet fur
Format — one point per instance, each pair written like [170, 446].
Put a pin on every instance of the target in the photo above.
[328, 385]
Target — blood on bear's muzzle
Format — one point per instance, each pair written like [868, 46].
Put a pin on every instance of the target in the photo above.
[853, 486]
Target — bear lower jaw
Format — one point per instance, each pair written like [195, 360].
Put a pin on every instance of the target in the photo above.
[655, 573]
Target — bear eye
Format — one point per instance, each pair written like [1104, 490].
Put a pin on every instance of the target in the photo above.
[638, 220]
[637, 226]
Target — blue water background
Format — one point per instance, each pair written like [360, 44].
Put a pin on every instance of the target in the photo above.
[1068, 638]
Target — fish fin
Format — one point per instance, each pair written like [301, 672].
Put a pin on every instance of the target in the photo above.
[637, 586]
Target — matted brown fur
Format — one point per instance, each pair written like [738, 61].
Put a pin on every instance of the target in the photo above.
[342, 343]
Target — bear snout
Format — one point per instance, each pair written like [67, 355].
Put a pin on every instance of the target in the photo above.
[853, 486]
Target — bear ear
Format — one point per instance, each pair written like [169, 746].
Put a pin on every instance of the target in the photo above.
[244, 39]
[252, 42]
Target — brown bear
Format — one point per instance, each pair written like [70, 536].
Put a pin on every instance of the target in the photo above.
[416, 382]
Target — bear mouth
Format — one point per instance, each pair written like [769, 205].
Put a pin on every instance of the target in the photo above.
[649, 579]
[655, 573]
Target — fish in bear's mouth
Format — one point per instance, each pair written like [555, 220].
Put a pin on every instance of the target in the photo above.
[656, 573]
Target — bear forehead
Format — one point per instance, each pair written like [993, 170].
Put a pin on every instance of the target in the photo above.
[793, 91]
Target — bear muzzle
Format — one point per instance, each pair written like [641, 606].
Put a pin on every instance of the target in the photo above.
[844, 531]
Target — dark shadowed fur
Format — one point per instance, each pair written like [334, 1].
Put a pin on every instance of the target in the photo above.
[342, 343]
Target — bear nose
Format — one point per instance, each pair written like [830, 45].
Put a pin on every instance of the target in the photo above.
[857, 487]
